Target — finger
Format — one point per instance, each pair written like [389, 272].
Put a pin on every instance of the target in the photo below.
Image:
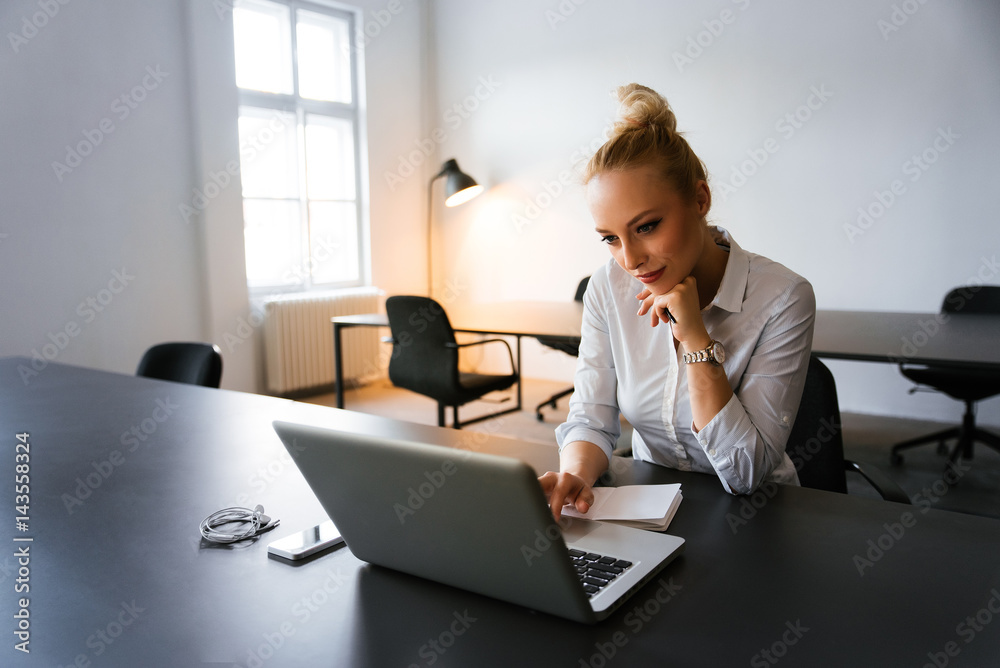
[584, 500]
[567, 490]
[645, 293]
[647, 302]
[556, 500]
[556, 503]
[547, 481]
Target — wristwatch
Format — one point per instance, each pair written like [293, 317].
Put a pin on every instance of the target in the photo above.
[715, 354]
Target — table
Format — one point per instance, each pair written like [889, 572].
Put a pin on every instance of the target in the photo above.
[952, 340]
[517, 319]
[120, 577]
[955, 340]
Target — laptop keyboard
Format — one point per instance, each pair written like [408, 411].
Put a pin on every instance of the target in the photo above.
[596, 570]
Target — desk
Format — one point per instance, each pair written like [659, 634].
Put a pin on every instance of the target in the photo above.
[920, 338]
[517, 319]
[121, 577]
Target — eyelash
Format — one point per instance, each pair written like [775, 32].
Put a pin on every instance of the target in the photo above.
[645, 228]
[651, 225]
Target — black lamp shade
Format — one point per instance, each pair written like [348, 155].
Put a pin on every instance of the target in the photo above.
[459, 187]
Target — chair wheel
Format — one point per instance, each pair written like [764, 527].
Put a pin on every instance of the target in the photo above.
[942, 448]
[896, 459]
[539, 416]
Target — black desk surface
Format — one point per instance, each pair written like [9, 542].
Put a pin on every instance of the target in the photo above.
[921, 338]
[520, 318]
[122, 579]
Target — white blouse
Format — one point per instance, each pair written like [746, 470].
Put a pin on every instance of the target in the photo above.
[763, 314]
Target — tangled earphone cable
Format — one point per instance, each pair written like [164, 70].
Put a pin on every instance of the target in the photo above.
[258, 521]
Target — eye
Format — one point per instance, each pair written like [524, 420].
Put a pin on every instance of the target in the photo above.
[609, 238]
[646, 228]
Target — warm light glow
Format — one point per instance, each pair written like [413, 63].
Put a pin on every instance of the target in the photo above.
[463, 196]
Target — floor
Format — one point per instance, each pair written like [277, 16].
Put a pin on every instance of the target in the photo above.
[867, 439]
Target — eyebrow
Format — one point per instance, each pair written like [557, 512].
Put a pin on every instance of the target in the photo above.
[630, 223]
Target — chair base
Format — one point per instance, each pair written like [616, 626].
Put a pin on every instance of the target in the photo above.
[458, 424]
[551, 402]
[967, 434]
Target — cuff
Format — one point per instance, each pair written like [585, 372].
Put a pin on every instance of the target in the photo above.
[598, 438]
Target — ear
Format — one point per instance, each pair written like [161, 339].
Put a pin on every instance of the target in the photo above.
[702, 198]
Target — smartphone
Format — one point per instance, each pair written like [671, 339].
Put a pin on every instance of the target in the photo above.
[305, 543]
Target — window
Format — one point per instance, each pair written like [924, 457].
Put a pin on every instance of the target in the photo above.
[300, 148]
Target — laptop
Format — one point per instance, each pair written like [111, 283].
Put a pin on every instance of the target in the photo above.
[472, 520]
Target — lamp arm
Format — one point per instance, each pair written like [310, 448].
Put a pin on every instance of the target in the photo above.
[430, 230]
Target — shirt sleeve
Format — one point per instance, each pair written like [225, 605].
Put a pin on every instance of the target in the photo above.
[745, 441]
[593, 407]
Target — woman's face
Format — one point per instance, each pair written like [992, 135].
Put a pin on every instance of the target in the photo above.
[652, 232]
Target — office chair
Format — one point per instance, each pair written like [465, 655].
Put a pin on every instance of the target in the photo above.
[816, 442]
[425, 358]
[568, 345]
[192, 363]
[966, 385]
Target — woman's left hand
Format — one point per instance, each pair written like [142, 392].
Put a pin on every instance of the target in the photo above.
[682, 302]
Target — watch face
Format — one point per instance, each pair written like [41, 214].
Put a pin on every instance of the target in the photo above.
[718, 352]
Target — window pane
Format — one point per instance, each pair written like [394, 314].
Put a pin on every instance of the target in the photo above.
[268, 153]
[324, 57]
[333, 243]
[329, 158]
[263, 46]
[272, 233]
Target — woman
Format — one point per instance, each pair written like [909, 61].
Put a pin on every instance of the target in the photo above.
[709, 371]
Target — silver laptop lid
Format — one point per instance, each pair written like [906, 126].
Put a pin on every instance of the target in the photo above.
[471, 520]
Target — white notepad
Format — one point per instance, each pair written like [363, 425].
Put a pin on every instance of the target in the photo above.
[640, 506]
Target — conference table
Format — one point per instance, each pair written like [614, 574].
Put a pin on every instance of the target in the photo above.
[953, 340]
[513, 318]
[113, 571]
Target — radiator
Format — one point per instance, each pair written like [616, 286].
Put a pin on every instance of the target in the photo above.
[298, 339]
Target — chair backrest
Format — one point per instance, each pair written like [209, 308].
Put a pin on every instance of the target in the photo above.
[192, 363]
[972, 299]
[816, 443]
[422, 360]
[570, 346]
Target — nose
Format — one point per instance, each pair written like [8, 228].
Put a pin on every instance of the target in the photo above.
[632, 256]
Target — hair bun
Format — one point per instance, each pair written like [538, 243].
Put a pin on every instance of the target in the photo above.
[640, 107]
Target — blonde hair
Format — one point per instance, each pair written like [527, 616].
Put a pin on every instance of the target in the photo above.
[645, 133]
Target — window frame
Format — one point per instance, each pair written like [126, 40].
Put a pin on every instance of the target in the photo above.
[292, 103]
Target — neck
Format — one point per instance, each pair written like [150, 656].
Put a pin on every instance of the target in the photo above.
[709, 270]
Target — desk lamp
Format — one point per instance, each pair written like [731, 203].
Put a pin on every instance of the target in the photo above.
[459, 188]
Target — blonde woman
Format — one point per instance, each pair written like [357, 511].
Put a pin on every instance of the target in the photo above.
[702, 346]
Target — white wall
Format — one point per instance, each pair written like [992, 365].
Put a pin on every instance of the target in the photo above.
[118, 210]
[888, 95]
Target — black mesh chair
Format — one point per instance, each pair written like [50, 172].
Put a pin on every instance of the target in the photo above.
[425, 358]
[192, 363]
[816, 442]
[568, 345]
[966, 385]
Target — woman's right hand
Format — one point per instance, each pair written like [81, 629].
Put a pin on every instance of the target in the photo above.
[566, 489]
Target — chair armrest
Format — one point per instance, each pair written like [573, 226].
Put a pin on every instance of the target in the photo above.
[510, 353]
[886, 488]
